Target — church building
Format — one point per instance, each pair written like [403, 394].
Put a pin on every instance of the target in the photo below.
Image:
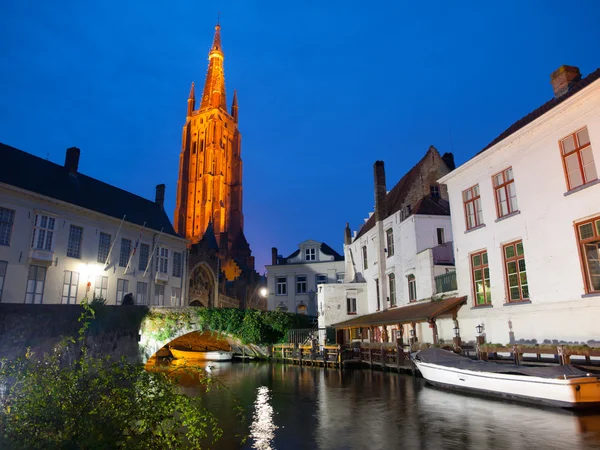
[208, 212]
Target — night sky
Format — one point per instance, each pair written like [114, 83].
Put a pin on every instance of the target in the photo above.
[325, 89]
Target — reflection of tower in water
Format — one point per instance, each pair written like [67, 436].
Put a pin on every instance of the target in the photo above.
[262, 430]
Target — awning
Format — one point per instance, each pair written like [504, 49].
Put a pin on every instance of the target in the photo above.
[417, 312]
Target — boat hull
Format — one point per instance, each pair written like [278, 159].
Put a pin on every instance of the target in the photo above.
[201, 356]
[577, 393]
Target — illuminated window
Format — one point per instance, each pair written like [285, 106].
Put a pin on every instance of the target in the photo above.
[302, 309]
[472, 205]
[7, 217]
[515, 272]
[175, 296]
[480, 274]
[505, 192]
[578, 159]
[74, 245]
[43, 232]
[70, 283]
[588, 234]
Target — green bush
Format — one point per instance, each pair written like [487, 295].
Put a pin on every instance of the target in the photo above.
[68, 399]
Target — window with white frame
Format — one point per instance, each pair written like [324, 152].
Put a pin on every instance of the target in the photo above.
[101, 287]
[392, 284]
[310, 254]
[3, 266]
[125, 252]
[144, 255]
[175, 296]
[364, 255]
[339, 277]
[70, 283]
[389, 235]
[7, 217]
[578, 159]
[412, 288]
[351, 305]
[141, 294]
[281, 285]
[74, 244]
[36, 278]
[122, 288]
[441, 236]
[103, 247]
[43, 232]
[435, 191]
[505, 192]
[301, 284]
[321, 278]
[177, 258]
[162, 259]
[159, 295]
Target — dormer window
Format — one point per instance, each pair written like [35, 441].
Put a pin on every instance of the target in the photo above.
[435, 191]
[310, 254]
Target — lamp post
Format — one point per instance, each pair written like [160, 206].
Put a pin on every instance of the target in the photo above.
[456, 340]
[480, 340]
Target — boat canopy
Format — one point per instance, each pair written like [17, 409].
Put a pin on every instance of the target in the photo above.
[452, 360]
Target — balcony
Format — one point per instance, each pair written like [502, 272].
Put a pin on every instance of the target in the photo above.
[161, 278]
[41, 257]
[443, 254]
[445, 282]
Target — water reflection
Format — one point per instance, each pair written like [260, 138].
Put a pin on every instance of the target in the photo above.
[291, 407]
[262, 430]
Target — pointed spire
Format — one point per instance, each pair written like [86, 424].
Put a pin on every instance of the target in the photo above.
[234, 107]
[214, 87]
[191, 101]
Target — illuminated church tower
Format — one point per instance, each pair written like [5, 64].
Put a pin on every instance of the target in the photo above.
[209, 190]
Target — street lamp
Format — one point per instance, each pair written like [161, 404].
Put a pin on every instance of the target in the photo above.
[479, 329]
[456, 331]
[263, 292]
[412, 333]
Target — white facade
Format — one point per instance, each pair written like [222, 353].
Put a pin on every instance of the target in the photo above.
[293, 282]
[557, 298]
[416, 253]
[339, 302]
[61, 260]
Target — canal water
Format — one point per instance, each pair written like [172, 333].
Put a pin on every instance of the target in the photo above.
[292, 407]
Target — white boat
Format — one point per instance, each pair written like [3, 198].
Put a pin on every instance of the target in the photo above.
[192, 355]
[562, 386]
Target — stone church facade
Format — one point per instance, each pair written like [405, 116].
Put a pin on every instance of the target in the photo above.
[208, 211]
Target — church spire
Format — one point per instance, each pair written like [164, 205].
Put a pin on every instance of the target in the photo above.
[191, 101]
[234, 107]
[214, 87]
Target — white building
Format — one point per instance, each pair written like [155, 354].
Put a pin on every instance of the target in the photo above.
[65, 236]
[526, 220]
[292, 282]
[401, 256]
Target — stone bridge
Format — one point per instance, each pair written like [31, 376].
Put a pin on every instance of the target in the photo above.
[133, 332]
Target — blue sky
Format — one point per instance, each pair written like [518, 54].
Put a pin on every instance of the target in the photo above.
[325, 89]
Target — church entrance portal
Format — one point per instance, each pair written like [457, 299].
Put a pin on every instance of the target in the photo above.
[202, 287]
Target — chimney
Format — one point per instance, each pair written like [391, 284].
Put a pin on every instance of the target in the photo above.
[380, 191]
[563, 79]
[160, 195]
[347, 235]
[448, 158]
[72, 160]
[273, 256]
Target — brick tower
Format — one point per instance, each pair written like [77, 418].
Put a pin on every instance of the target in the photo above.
[209, 189]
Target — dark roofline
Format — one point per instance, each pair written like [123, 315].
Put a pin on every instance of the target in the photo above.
[546, 107]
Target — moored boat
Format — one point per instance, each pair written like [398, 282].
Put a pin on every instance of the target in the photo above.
[193, 355]
[561, 386]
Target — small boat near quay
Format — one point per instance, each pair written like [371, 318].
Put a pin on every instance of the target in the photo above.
[560, 386]
[193, 355]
